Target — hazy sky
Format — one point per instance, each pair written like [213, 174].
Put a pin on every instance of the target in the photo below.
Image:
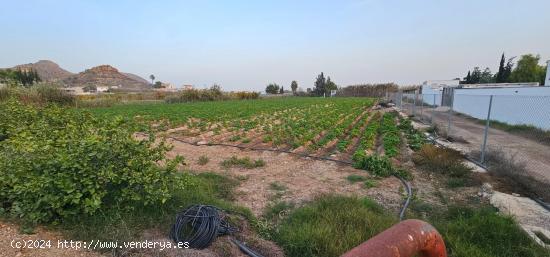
[247, 44]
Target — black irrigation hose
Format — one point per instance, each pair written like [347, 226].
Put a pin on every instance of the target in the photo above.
[403, 181]
[199, 225]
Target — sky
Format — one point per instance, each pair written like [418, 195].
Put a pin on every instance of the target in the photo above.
[244, 45]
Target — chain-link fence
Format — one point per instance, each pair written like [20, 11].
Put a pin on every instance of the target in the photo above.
[489, 128]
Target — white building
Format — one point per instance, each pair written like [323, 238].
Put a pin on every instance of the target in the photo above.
[513, 103]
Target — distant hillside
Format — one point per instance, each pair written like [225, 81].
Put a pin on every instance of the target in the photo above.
[106, 75]
[136, 77]
[47, 70]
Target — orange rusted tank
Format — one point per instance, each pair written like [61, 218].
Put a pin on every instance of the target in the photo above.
[405, 239]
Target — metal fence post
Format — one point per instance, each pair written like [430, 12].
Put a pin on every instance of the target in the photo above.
[414, 104]
[487, 123]
[421, 107]
[432, 116]
[449, 119]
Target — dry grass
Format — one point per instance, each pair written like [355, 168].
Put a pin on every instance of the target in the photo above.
[441, 160]
[515, 174]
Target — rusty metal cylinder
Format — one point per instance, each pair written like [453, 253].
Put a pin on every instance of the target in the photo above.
[405, 239]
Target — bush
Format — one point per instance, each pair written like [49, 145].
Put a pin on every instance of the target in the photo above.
[441, 160]
[377, 165]
[330, 226]
[203, 160]
[57, 163]
[41, 94]
[244, 162]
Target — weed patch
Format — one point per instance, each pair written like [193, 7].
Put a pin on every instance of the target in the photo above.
[203, 160]
[355, 178]
[441, 160]
[244, 162]
[330, 226]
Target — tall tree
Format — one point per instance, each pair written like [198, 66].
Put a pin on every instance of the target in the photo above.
[476, 76]
[152, 77]
[272, 88]
[282, 91]
[508, 69]
[330, 85]
[486, 76]
[468, 78]
[294, 86]
[500, 74]
[319, 86]
[527, 69]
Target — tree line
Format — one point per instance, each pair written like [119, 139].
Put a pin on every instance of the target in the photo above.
[23, 77]
[321, 86]
[527, 69]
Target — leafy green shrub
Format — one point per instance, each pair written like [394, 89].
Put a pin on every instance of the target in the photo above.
[57, 163]
[415, 139]
[244, 162]
[377, 165]
[441, 160]
[330, 226]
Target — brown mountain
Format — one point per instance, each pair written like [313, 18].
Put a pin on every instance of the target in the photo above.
[106, 75]
[136, 77]
[47, 70]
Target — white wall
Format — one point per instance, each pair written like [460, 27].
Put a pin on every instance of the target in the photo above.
[524, 105]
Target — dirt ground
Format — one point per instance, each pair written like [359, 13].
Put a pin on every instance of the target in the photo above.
[10, 236]
[302, 178]
[534, 155]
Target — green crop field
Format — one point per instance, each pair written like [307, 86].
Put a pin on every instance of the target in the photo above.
[321, 125]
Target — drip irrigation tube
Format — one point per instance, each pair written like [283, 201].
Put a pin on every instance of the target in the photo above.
[406, 184]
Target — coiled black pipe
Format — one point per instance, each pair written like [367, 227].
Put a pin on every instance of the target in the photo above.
[199, 225]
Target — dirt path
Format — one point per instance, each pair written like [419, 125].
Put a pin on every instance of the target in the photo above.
[302, 179]
[534, 155]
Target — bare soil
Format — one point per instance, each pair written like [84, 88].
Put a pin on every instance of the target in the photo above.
[533, 154]
[304, 178]
[10, 234]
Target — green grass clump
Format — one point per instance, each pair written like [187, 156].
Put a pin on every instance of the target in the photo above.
[203, 160]
[330, 226]
[355, 178]
[482, 232]
[245, 162]
[370, 183]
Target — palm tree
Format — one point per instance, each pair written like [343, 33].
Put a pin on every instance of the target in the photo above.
[152, 77]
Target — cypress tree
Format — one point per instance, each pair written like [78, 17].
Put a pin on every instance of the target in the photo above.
[501, 73]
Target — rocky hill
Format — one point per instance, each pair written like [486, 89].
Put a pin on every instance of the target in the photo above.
[136, 77]
[106, 75]
[47, 70]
